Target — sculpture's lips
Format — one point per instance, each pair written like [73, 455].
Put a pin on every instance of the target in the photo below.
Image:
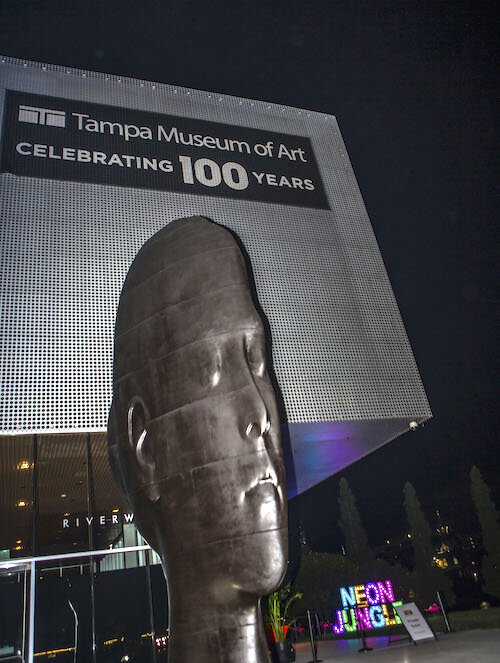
[267, 477]
[265, 487]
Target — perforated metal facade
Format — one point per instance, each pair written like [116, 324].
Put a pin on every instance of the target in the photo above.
[340, 349]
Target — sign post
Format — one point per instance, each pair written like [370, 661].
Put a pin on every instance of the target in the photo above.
[314, 645]
[443, 612]
[364, 646]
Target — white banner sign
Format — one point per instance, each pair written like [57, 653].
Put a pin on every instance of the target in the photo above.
[414, 622]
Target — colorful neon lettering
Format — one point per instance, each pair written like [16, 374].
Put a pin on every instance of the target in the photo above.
[347, 597]
[389, 621]
[396, 616]
[350, 621]
[363, 617]
[372, 593]
[377, 616]
[367, 606]
[359, 593]
[387, 590]
[339, 627]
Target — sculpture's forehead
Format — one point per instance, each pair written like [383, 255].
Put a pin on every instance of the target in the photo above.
[202, 325]
[187, 284]
[186, 321]
[183, 241]
[180, 281]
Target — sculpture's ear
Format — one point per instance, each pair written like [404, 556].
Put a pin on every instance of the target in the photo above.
[137, 429]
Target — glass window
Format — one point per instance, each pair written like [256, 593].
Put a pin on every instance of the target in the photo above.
[123, 616]
[63, 611]
[14, 602]
[60, 488]
[111, 511]
[63, 501]
[16, 496]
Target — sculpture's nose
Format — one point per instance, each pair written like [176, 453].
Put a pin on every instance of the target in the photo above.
[259, 421]
[258, 429]
[260, 424]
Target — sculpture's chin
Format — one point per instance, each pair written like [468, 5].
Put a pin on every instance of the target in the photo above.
[259, 561]
[253, 563]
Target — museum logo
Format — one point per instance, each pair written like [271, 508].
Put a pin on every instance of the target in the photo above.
[46, 116]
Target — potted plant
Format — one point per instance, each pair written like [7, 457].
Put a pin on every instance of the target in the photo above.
[277, 607]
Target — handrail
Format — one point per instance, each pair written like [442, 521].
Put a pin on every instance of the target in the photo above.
[27, 561]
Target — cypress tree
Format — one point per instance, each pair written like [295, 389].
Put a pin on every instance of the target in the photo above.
[420, 530]
[356, 540]
[490, 532]
[427, 577]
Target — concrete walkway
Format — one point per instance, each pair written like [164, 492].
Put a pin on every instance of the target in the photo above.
[462, 647]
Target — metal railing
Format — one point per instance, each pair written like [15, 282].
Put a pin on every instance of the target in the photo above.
[29, 564]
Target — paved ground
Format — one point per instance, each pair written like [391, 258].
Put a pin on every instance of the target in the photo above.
[463, 647]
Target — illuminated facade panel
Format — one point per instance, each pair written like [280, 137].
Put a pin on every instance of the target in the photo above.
[92, 165]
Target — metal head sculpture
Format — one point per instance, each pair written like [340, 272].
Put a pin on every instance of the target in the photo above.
[194, 438]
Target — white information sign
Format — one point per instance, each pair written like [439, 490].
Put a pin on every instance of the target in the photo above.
[414, 622]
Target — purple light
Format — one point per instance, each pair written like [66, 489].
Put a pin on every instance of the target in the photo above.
[372, 594]
[363, 617]
[387, 590]
[339, 627]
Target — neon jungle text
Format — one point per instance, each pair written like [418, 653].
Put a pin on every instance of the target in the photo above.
[366, 607]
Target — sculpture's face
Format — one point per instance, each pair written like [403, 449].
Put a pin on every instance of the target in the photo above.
[200, 428]
[225, 433]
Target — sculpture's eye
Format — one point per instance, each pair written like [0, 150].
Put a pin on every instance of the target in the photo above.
[255, 353]
[256, 429]
[216, 369]
[215, 379]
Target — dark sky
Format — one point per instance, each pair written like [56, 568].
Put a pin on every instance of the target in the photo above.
[412, 85]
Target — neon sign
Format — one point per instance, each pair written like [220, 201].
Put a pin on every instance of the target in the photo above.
[366, 607]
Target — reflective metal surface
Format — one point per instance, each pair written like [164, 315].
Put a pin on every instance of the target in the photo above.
[194, 437]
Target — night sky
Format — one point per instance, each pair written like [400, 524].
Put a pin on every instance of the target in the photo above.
[412, 85]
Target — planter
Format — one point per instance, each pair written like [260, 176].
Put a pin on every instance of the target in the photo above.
[282, 652]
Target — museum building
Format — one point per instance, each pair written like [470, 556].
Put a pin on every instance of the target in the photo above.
[92, 165]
